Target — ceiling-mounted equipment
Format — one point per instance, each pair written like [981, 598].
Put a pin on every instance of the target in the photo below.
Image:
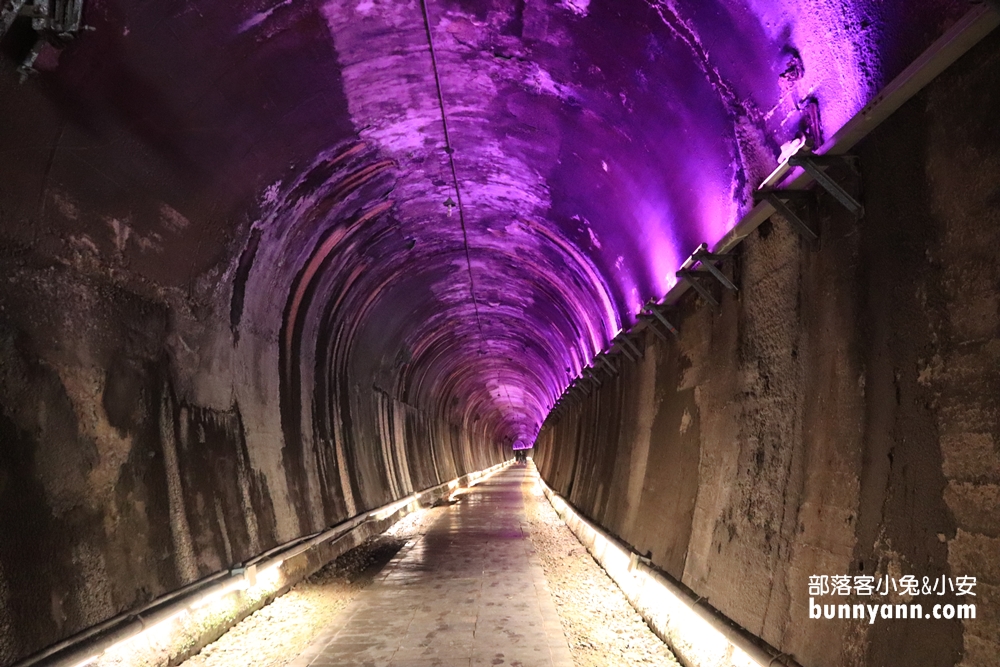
[815, 166]
[706, 261]
[783, 200]
[55, 24]
[654, 313]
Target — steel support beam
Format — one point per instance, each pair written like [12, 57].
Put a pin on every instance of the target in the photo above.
[648, 319]
[692, 278]
[780, 199]
[655, 312]
[814, 164]
[706, 260]
[631, 345]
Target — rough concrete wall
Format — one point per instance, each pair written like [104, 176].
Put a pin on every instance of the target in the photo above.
[235, 307]
[131, 464]
[839, 415]
[151, 431]
[140, 446]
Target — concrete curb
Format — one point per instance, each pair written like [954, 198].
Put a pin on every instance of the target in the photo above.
[176, 626]
[699, 635]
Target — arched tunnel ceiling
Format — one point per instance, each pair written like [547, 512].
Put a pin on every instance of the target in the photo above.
[589, 146]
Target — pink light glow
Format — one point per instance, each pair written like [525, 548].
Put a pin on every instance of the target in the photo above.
[593, 152]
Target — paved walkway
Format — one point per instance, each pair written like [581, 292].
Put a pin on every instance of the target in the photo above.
[469, 592]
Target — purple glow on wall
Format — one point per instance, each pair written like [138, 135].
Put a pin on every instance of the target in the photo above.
[595, 146]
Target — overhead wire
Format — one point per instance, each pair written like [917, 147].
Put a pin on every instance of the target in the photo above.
[450, 151]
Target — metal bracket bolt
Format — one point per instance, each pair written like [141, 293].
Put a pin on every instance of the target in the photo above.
[607, 363]
[628, 345]
[814, 166]
[780, 200]
[706, 261]
[652, 315]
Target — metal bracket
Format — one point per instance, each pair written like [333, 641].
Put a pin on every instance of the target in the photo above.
[705, 259]
[692, 277]
[626, 352]
[651, 315]
[651, 325]
[632, 346]
[607, 363]
[592, 376]
[814, 164]
[780, 199]
[655, 312]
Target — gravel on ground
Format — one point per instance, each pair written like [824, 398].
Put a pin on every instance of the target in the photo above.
[278, 633]
[602, 628]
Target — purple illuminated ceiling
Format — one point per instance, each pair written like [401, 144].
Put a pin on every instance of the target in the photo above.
[594, 145]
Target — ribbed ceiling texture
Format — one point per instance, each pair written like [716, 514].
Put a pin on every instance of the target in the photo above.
[459, 202]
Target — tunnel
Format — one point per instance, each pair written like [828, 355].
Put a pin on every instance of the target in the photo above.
[726, 270]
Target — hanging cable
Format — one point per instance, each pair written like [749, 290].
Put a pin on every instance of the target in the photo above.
[449, 149]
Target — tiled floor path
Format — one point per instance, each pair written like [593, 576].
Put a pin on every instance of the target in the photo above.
[468, 593]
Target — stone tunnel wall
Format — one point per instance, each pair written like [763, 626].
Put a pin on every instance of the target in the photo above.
[151, 430]
[163, 412]
[840, 415]
[139, 451]
[141, 448]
